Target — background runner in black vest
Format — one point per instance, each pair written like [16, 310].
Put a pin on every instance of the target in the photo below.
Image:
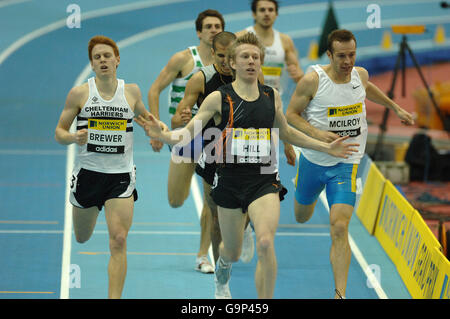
[203, 82]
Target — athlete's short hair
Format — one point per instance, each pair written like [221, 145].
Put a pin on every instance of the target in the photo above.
[255, 4]
[101, 39]
[208, 13]
[247, 38]
[223, 38]
[340, 35]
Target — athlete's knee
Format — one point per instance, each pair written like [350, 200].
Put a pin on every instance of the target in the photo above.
[232, 253]
[339, 229]
[264, 244]
[175, 202]
[118, 241]
[81, 238]
[303, 215]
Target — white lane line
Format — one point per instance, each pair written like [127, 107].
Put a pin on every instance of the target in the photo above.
[33, 152]
[29, 222]
[6, 3]
[359, 257]
[198, 200]
[144, 253]
[84, 16]
[35, 232]
[149, 232]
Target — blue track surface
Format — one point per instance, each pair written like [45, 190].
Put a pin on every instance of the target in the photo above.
[37, 70]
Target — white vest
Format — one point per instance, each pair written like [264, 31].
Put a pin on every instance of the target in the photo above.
[339, 108]
[109, 148]
[274, 61]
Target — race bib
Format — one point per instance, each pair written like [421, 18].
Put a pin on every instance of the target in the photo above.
[250, 143]
[106, 135]
[271, 70]
[345, 120]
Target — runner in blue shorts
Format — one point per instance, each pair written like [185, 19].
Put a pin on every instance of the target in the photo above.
[329, 103]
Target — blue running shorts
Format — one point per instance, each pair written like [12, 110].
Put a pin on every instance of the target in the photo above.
[339, 180]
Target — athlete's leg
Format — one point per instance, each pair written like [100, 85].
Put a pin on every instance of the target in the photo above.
[341, 195]
[84, 220]
[232, 222]
[215, 235]
[340, 253]
[264, 214]
[179, 180]
[303, 212]
[205, 225]
[202, 262]
[119, 216]
[307, 189]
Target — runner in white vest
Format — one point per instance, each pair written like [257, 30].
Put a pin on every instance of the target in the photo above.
[328, 103]
[104, 172]
[280, 53]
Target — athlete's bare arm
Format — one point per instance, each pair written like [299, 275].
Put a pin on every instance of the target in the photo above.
[292, 136]
[304, 93]
[374, 94]
[291, 58]
[174, 68]
[194, 87]
[75, 100]
[134, 99]
[211, 107]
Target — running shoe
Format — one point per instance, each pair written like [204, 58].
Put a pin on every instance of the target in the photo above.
[223, 271]
[203, 265]
[222, 291]
[338, 293]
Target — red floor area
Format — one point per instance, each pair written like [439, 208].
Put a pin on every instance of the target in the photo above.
[433, 74]
[432, 199]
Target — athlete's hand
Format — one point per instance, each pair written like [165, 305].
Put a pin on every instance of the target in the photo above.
[186, 115]
[340, 149]
[294, 71]
[81, 137]
[156, 144]
[150, 124]
[326, 136]
[405, 117]
[290, 154]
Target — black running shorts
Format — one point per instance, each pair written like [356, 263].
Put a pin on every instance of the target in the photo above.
[207, 172]
[239, 191]
[89, 188]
